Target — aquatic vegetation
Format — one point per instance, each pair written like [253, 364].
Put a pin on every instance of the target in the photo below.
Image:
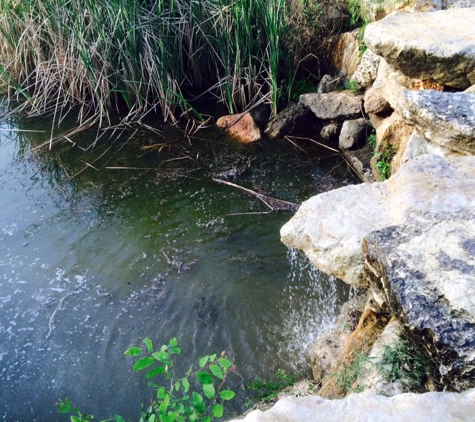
[150, 56]
[177, 400]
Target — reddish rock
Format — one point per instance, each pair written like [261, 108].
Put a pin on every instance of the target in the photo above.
[240, 127]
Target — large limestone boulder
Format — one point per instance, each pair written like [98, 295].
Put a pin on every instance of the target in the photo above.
[330, 227]
[444, 118]
[333, 105]
[425, 271]
[345, 52]
[434, 45]
[373, 10]
[367, 70]
[368, 406]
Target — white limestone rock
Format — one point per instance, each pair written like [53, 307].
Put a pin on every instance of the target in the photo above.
[330, 227]
[434, 45]
[368, 406]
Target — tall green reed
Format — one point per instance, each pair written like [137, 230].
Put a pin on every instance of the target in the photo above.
[141, 56]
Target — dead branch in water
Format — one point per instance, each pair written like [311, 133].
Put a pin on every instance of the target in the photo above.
[273, 203]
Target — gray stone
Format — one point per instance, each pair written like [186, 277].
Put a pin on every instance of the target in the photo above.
[374, 102]
[444, 118]
[330, 227]
[367, 70]
[426, 6]
[437, 45]
[331, 131]
[353, 132]
[368, 406]
[374, 10]
[328, 83]
[294, 115]
[425, 269]
[333, 106]
[459, 4]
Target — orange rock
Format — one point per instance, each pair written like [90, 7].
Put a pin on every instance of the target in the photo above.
[240, 127]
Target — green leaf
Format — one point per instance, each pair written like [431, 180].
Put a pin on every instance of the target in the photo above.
[177, 386]
[216, 371]
[161, 393]
[203, 361]
[204, 378]
[198, 402]
[133, 351]
[119, 418]
[209, 391]
[157, 371]
[162, 410]
[151, 418]
[207, 419]
[162, 356]
[175, 350]
[143, 363]
[212, 357]
[173, 342]
[186, 385]
[75, 419]
[217, 410]
[227, 394]
[149, 345]
[225, 363]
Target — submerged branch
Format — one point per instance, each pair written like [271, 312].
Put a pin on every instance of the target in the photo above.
[273, 203]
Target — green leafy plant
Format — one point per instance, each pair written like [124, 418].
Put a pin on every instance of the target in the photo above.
[198, 395]
[383, 162]
[353, 87]
[405, 363]
[266, 392]
[372, 140]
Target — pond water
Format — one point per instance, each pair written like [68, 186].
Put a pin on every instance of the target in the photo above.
[92, 263]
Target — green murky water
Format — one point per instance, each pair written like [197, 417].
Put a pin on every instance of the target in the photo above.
[92, 263]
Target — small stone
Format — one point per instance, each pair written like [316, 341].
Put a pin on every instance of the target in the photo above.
[292, 116]
[353, 133]
[331, 131]
[240, 127]
[375, 103]
[333, 106]
[328, 83]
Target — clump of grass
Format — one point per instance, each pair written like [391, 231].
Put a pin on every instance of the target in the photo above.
[267, 392]
[143, 57]
[346, 376]
[405, 363]
[383, 161]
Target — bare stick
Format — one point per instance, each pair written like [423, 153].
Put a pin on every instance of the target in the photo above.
[272, 203]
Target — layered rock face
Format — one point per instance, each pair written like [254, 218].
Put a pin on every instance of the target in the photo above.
[425, 271]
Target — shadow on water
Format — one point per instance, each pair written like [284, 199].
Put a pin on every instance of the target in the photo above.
[141, 243]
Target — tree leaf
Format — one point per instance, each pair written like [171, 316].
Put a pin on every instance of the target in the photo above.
[157, 371]
[175, 350]
[119, 418]
[151, 418]
[162, 356]
[161, 393]
[204, 378]
[198, 402]
[133, 351]
[162, 410]
[143, 363]
[216, 371]
[177, 386]
[186, 385]
[209, 391]
[149, 345]
[207, 419]
[225, 363]
[173, 342]
[227, 394]
[217, 410]
[203, 361]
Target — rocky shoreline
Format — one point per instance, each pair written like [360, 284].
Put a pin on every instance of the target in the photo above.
[406, 244]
